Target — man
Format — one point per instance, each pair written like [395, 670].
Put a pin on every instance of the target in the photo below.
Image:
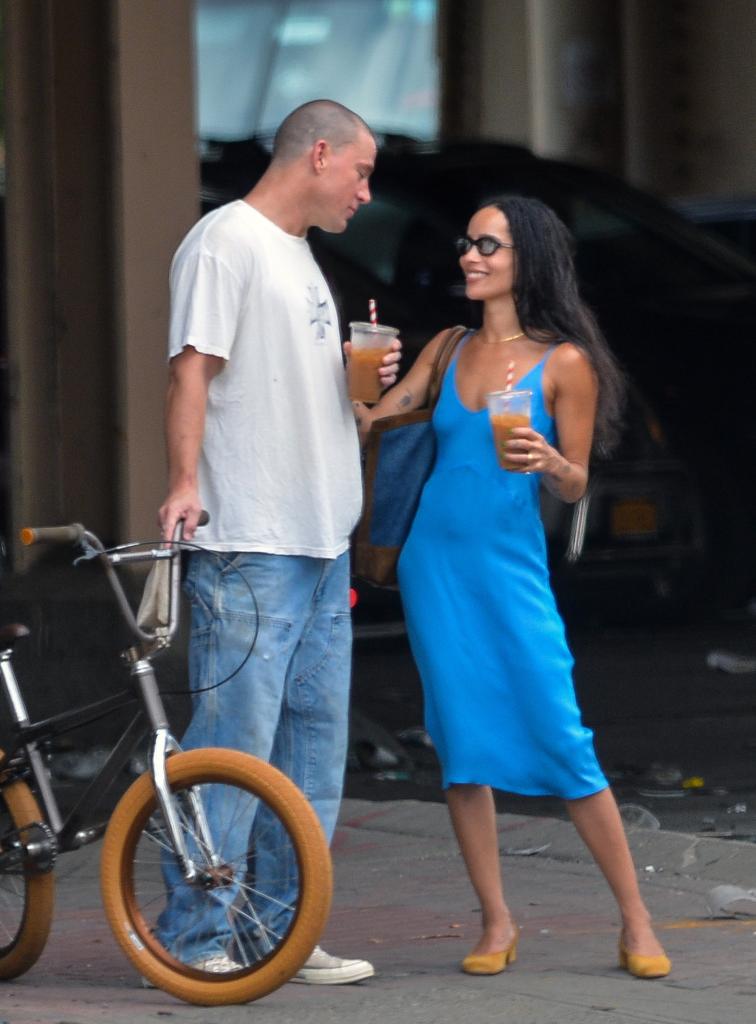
[260, 432]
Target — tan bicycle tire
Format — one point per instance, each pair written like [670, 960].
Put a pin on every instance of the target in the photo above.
[26, 947]
[232, 768]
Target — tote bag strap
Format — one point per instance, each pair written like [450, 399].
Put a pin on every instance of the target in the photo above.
[444, 353]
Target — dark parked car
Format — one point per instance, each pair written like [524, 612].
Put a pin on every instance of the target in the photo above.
[678, 308]
[730, 218]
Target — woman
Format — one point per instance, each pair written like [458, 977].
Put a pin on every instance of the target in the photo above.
[482, 621]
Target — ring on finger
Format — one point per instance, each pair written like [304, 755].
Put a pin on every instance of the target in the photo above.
[530, 455]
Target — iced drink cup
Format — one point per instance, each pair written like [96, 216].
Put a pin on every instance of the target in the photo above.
[506, 410]
[370, 343]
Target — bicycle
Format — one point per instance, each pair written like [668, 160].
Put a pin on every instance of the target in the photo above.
[167, 832]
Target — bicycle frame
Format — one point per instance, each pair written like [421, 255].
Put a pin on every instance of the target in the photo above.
[212, 920]
[73, 831]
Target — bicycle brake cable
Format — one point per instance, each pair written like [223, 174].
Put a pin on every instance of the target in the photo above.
[227, 562]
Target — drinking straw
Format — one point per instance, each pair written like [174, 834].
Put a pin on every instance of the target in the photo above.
[510, 377]
[373, 311]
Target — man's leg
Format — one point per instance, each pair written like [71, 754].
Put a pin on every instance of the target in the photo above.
[237, 700]
[311, 740]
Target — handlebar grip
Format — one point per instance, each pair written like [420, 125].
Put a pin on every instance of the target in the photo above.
[178, 530]
[52, 534]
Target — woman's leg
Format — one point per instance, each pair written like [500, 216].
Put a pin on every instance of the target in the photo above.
[598, 822]
[474, 821]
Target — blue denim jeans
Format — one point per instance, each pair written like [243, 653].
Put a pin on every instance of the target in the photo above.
[288, 704]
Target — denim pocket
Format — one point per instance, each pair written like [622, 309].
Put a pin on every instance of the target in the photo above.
[250, 585]
[195, 586]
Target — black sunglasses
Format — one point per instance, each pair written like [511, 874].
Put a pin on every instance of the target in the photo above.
[486, 245]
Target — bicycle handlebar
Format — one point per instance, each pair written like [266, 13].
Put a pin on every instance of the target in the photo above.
[52, 534]
[76, 533]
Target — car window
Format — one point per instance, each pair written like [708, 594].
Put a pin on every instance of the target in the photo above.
[621, 243]
[623, 238]
[401, 244]
[373, 238]
[614, 250]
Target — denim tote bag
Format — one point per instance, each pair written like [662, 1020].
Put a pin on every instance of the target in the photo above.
[398, 458]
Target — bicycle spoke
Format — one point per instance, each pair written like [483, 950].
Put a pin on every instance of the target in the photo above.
[12, 898]
[249, 875]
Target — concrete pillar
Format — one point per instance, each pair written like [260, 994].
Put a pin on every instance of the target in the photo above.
[506, 109]
[485, 88]
[156, 199]
[460, 34]
[726, 98]
[690, 96]
[29, 264]
[575, 82]
[58, 285]
[541, 73]
[102, 182]
[82, 248]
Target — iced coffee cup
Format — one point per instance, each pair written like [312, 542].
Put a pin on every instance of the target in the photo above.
[507, 410]
[370, 343]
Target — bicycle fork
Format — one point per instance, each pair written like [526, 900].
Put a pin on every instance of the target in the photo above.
[163, 744]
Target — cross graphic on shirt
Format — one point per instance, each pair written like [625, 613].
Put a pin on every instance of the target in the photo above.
[319, 315]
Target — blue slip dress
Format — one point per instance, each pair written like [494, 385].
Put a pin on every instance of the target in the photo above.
[482, 622]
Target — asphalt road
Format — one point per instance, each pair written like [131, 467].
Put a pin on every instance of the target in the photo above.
[675, 736]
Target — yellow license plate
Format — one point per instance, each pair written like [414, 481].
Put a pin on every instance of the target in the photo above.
[633, 517]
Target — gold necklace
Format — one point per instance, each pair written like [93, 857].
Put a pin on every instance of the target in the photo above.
[500, 341]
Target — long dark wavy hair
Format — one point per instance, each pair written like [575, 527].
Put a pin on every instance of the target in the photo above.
[549, 306]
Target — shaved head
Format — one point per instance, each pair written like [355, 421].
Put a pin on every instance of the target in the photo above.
[318, 119]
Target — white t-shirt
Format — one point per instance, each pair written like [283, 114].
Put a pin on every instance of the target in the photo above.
[279, 470]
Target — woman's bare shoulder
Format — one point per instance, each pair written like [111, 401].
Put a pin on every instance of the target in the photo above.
[430, 349]
[569, 370]
[567, 353]
[438, 340]
[569, 359]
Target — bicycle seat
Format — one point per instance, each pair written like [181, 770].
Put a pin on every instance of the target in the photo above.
[9, 634]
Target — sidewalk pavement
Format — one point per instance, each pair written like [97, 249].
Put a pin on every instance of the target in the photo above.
[403, 901]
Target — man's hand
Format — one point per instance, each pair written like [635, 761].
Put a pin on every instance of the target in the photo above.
[181, 505]
[389, 368]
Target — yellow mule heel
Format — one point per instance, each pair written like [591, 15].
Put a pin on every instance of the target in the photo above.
[644, 966]
[490, 963]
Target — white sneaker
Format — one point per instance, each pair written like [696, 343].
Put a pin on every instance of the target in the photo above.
[218, 963]
[323, 969]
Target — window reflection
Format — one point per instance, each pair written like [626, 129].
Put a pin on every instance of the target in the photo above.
[258, 59]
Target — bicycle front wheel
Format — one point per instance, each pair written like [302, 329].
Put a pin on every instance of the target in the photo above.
[262, 894]
[27, 897]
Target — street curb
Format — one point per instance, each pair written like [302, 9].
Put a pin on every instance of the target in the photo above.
[655, 851]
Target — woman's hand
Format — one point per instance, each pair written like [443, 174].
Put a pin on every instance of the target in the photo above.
[529, 452]
[409, 395]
